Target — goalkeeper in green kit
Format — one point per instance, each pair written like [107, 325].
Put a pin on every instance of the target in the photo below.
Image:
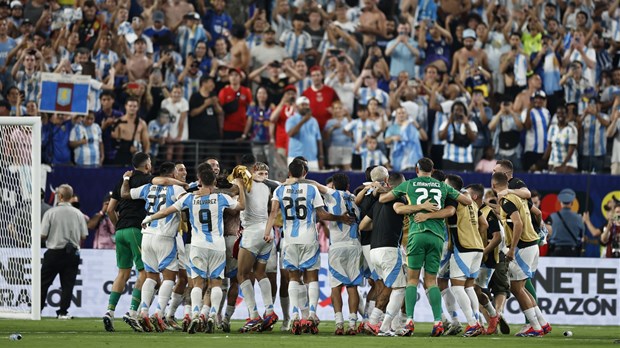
[426, 239]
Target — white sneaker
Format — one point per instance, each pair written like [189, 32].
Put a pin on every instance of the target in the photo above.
[64, 316]
[285, 325]
[386, 334]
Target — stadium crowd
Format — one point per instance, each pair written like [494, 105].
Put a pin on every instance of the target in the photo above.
[385, 82]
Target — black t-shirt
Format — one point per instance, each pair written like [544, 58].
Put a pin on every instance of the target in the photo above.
[387, 226]
[493, 228]
[131, 212]
[515, 184]
[203, 126]
[275, 90]
[366, 209]
[452, 220]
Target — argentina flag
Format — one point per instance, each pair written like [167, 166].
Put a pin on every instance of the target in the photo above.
[64, 93]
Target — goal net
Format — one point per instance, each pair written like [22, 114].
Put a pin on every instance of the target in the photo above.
[20, 217]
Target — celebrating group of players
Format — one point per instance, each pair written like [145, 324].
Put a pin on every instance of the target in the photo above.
[243, 227]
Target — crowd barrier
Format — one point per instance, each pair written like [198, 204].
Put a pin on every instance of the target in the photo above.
[570, 290]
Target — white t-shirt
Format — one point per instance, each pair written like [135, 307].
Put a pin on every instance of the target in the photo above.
[176, 109]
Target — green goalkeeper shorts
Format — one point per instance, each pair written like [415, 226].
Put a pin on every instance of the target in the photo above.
[128, 252]
[424, 250]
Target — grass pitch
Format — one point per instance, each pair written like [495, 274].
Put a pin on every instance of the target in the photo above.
[89, 332]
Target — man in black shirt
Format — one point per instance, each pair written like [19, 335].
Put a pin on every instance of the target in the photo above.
[127, 216]
[386, 259]
[205, 116]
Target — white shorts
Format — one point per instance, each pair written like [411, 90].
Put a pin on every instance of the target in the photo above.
[340, 155]
[272, 262]
[302, 257]
[183, 254]
[252, 241]
[345, 264]
[231, 262]
[484, 277]
[465, 265]
[207, 263]
[159, 253]
[444, 264]
[367, 268]
[388, 265]
[525, 263]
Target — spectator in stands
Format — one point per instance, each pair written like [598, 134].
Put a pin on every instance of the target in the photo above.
[321, 97]
[360, 129]
[55, 140]
[158, 32]
[205, 113]
[404, 52]
[506, 127]
[267, 52]
[536, 124]
[578, 51]
[90, 25]
[404, 137]
[27, 80]
[87, 143]
[371, 155]
[568, 228]
[304, 135]
[372, 90]
[561, 153]
[279, 116]
[103, 226]
[258, 123]
[234, 99]
[591, 125]
[342, 82]
[574, 83]
[339, 144]
[131, 134]
[279, 77]
[139, 65]
[460, 132]
[591, 237]
[107, 118]
[302, 71]
[296, 41]
[7, 44]
[372, 23]
[178, 108]
[159, 131]
[435, 41]
[481, 115]
[613, 131]
[216, 21]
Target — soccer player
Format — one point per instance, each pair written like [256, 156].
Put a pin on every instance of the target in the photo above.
[522, 243]
[159, 249]
[254, 252]
[129, 238]
[301, 204]
[465, 245]
[208, 251]
[490, 255]
[387, 260]
[425, 239]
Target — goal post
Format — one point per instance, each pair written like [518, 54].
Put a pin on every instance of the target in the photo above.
[20, 217]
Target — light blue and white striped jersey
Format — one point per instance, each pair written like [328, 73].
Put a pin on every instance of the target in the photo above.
[574, 90]
[104, 61]
[295, 45]
[440, 118]
[375, 157]
[360, 129]
[609, 93]
[520, 70]
[303, 85]
[551, 73]
[407, 151]
[298, 204]
[588, 74]
[86, 154]
[191, 84]
[159, 198]
[29, 84]
[559, 140]
[594, 142]
[536, 137]
[206, 216]
[253, 40]
[338, 203]
[187, 38]
[365, 94]
[157, 131]
[455, 153]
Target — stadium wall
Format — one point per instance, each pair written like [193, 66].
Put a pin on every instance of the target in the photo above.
[570, 290]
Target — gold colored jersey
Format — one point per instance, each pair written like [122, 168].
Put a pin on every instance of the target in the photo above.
[509, 204]
[467, 237]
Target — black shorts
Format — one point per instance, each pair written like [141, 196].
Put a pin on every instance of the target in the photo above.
[500, 284]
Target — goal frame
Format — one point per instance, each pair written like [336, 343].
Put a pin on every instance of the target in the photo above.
[35, 265]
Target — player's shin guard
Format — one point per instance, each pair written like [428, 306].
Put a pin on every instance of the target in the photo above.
[473, 298]
[165, 291]
[216, 299]
[196, 296]
[393, 308]
[248, 295]
[313, 296]
[265, 291]
[464, 303]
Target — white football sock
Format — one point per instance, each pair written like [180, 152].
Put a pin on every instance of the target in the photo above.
[148, 291]
[375, 316]
[465, 303]
[175, 301]
[248, 295]
[352, 319]
[196, 296]
[165, 291]
[539, 316]
[489, 307]
[530, 314]
[450, 301]
[473, 298]
[265, 291]
[313, 296]
[216, 299]
[339, 318]
[293, 295]
[303, 301]
[393, 308]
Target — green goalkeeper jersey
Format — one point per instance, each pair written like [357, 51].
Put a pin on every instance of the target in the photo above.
[418, 191]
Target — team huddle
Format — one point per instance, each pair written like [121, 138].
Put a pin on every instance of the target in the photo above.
[204, 243]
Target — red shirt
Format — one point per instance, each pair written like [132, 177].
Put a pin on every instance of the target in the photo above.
[320, 101]
[281, 135]
[235, 122]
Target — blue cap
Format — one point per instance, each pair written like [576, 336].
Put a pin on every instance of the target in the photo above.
[567, 196]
